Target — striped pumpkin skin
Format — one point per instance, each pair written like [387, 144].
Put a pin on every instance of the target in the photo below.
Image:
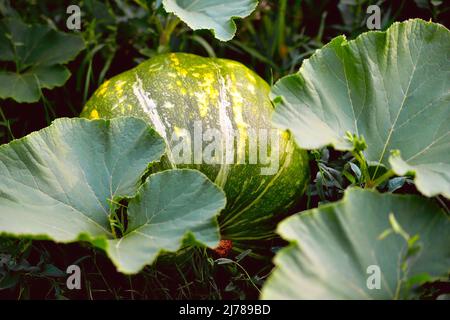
[173, 91]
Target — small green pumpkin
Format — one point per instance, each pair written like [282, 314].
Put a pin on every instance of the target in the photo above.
[178, 93]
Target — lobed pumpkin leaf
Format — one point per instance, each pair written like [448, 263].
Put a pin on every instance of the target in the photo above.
[390, 87]
[38, 53]
[168, 205]
[335, 248]
[64, 182]
[215, 15]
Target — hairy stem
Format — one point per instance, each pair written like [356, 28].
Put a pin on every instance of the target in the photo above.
[171, 24]
[384, 177]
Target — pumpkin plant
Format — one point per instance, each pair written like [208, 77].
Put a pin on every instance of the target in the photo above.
[185, 151]
[179, 94]
[384, 97]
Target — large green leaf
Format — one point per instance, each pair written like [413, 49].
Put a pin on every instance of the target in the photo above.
[333, 246]
[38, 53]
[390, 87]
[64, 183]
[168, 206]
[215, 15]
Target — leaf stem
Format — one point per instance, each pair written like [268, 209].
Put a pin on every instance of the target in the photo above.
[248, 276]
[384, 177]
[359, 156]
[443, 204]
[6, 123]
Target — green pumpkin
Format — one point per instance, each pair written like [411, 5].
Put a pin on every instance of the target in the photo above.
[178, 93]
